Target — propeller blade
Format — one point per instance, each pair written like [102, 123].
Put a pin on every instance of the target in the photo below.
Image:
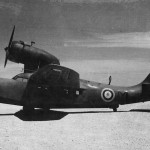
[11, 38]
[6, 58]
[9, 45]
[5, 62]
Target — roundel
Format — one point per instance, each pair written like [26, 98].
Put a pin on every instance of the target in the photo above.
[107, 94]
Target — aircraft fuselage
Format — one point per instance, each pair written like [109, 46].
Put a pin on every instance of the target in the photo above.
[104, 96]
[11, 91]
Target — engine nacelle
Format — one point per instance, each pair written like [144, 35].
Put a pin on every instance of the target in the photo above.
[32, 57]
[26, 54]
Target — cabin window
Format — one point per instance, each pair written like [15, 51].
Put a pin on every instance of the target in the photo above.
[77, 92]
[66, 91]
[57, 70]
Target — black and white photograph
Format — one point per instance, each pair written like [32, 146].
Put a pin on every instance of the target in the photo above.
[74, 74]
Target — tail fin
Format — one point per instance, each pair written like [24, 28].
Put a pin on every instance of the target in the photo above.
[146, 89]
[147, 79]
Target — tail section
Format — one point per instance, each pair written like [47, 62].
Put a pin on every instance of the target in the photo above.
[146, 88]
[147, 80]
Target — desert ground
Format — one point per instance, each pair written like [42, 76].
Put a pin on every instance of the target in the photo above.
[91, 129]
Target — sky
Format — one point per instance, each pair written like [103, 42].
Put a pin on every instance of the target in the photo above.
[73, 19]
[82, 31]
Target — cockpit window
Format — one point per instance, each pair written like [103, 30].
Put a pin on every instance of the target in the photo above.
[22, 77]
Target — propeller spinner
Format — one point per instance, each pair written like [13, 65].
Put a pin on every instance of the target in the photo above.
[7, 49]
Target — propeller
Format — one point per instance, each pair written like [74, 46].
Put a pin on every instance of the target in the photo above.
[7, 49]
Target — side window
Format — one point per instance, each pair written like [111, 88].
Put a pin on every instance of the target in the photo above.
[77, 93]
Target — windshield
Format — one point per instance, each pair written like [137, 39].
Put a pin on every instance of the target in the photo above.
[23, 77]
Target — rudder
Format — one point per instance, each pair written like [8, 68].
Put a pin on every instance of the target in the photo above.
[146, 89]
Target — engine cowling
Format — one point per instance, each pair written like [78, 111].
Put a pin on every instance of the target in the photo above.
[32, 57]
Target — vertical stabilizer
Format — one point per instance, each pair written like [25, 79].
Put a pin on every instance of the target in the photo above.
[147, 80]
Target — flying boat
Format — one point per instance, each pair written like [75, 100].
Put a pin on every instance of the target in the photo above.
[46, 84]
